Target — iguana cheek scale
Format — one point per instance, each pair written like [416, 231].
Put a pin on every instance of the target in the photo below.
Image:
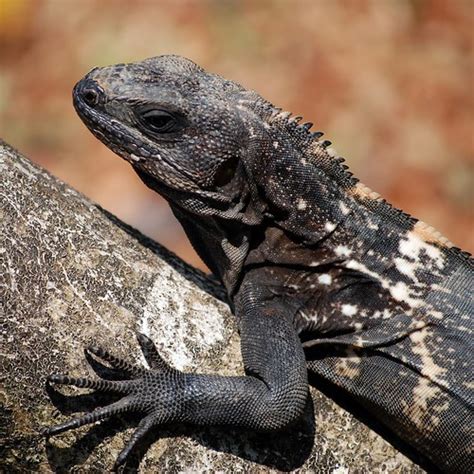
[322, 273]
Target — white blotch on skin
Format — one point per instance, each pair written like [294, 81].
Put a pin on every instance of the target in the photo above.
[426, 391]
[342, 251]
[275, 145]
[436, 314]
[372, 226]
[399, 290]
[348, 309]
[325, 279]
[301, 205]
[344, 209]
[411, 246]
[406, 267]
[329, 226]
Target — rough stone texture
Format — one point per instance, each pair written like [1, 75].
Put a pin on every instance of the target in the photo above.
[72, 274]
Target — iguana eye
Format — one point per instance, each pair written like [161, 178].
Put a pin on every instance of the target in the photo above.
[160, 121]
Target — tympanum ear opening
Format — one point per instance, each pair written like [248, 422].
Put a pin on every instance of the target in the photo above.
[226, 172]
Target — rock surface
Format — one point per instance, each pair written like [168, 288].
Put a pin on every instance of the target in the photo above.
[74, 274]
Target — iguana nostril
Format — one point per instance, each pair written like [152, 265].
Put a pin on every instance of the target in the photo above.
[90, 97]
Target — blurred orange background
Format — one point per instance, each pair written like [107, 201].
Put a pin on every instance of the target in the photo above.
[390, 82]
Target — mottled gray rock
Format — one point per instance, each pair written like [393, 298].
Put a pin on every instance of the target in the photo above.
[73, 274]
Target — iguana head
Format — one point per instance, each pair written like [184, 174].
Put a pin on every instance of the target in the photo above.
[178, 125]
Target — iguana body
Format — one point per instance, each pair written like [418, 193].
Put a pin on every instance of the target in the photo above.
[321, 273]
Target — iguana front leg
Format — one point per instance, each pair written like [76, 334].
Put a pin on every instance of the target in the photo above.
[271, 396]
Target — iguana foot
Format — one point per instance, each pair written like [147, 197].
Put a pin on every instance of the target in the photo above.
[155, 392]
[272, 396]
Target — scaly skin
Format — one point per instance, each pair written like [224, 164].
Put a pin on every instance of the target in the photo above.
[316, 265]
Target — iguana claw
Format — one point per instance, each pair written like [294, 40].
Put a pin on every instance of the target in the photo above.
[140, 393]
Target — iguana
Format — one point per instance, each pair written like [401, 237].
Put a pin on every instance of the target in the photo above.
[322, 274]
